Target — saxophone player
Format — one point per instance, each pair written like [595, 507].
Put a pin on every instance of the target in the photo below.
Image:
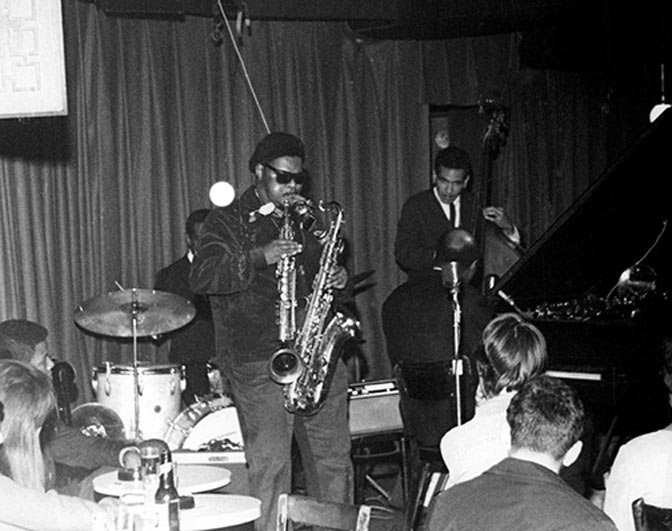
[236, 264]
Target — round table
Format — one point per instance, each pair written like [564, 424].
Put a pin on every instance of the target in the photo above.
[190, 479]
[220, 511]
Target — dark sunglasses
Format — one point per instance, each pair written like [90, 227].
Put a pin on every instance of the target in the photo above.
[285, 177]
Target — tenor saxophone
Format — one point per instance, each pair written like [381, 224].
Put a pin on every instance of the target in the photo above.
[318, 343]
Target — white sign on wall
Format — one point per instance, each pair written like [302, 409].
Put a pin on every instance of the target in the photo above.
[32, 59]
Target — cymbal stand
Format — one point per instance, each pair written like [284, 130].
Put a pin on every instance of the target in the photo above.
[135, 309]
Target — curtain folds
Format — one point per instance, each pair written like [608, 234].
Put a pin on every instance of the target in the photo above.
[158, 113]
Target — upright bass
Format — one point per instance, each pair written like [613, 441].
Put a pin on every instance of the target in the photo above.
[497, 251]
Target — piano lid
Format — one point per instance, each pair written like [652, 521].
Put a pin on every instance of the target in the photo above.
[610, 227]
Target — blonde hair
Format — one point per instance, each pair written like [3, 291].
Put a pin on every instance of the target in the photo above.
[28, 397]
[514, 352]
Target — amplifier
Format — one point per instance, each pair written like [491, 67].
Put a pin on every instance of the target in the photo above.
[374, 408]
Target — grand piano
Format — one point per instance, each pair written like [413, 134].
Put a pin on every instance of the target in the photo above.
[597, 283]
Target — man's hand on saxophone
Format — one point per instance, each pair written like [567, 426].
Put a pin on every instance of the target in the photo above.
[279, 249]
[338, 277]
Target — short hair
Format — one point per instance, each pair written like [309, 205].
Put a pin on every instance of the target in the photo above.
[452, 157]
[19, 337]
[197, 216]
[546, 416]
[514, 350]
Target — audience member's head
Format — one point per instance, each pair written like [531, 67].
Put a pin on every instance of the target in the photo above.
[546, 417]
[28, 398]
[25, 341]
[514, 351]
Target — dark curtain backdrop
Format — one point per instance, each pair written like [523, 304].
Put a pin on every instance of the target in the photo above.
[158, 113]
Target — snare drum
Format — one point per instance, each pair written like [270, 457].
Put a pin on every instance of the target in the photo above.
[206, 425]
[159, 396]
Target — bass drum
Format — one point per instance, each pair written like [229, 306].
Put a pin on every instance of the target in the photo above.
[208, 425]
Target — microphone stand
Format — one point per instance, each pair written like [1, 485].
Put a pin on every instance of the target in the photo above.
[457, 361]
[135, 310]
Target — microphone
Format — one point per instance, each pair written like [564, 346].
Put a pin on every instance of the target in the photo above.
[449, 274]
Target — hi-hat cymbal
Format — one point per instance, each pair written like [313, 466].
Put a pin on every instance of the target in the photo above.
[155, 312]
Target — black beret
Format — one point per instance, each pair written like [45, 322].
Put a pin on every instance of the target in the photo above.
[275, 145]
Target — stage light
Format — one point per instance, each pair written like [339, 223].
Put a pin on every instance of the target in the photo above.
[222, 194]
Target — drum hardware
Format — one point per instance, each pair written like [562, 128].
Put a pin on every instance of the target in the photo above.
[108, 385]
[134, 313]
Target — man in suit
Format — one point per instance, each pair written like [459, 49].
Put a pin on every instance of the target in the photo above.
[448, 204]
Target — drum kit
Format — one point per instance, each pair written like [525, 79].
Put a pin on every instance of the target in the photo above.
[147, 398]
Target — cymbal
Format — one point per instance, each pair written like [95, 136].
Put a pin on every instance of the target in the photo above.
[155, 312]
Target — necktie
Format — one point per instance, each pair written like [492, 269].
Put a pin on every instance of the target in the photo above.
[453, 215]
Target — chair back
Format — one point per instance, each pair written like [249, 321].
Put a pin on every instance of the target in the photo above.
[651, 518]
[297, 509]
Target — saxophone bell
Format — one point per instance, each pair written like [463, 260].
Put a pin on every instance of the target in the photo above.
[285, 366]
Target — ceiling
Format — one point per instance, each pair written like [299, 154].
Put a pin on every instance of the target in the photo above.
[570, 34]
